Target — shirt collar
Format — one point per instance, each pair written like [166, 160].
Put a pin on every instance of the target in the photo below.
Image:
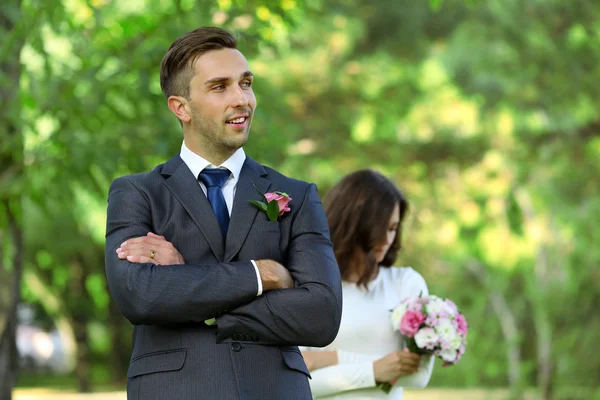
[196, 163]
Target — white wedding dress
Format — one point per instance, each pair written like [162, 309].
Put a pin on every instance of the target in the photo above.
[366, 335]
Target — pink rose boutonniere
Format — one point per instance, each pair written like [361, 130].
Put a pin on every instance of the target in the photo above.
[275, 205]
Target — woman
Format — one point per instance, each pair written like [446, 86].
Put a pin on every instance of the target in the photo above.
[365, 212]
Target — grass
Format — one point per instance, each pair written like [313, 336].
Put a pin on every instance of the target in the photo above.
[63, 383]
[62, 387]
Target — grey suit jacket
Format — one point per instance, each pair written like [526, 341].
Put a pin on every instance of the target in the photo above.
[252, 351]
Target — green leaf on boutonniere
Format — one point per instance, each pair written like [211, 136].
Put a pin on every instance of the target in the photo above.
[259, 204]
[282, 194]
[259, 192]
[273, 210]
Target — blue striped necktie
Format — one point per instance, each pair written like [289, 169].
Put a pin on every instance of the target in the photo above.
[214, 179]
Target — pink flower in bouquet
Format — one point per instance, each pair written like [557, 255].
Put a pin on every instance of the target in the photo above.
[282, 201]
[434, 318]
[462, 325]
[452, 305]
[411, 322]
[415, 306]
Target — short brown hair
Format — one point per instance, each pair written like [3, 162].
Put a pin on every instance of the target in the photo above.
[358, 209]
[176, 68]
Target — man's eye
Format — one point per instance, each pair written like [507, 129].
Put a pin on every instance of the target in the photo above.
[246, 84]
[219, 87]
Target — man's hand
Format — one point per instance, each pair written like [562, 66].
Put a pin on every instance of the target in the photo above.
[395, 365]
[141, 250]
[274, 275]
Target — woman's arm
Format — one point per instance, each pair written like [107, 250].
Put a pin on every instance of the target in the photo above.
[341, 378]
[319, 359]
[359, 372]
[338, 371]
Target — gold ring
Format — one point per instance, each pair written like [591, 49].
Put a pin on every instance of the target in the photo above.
[152, 254]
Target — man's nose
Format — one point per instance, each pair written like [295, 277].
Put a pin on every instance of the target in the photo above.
[240, 99]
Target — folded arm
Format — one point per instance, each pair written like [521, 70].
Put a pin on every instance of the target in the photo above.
[165, 294]
[308, 314]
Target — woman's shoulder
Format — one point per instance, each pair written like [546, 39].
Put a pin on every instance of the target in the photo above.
[403, 278]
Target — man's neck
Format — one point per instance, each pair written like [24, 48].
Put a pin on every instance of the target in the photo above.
[215, 156]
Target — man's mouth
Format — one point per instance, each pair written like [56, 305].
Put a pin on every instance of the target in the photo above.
[237, 121]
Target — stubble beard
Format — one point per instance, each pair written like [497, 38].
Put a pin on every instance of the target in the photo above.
[214, 138]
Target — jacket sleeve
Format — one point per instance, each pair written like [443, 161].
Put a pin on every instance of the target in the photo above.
[308, 314]
[166, 294]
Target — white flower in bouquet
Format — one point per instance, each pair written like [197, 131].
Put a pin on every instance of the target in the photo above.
[457, 342]
[398, 314]
[426, 338]
[438, 306]
[445, 328]
[449, 355]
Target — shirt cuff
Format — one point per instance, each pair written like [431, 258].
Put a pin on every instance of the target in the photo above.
[260, 288]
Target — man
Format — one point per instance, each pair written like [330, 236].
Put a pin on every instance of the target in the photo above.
[219, 294]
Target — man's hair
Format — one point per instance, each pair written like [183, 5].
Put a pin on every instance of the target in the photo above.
[177, 66]
[358, 209]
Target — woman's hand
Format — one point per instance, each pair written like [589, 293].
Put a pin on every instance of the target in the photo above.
[150, 249]
[319, 359]
[395, 365]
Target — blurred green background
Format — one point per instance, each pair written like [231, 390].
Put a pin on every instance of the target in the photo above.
[485, 113]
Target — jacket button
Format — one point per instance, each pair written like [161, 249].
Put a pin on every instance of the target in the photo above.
[235, 336]
[236, 346]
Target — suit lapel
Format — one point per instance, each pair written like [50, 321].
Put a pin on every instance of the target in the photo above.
[243, 213]
[184, 186]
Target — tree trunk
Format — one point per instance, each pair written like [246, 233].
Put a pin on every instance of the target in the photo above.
[537, 283]
[8, 347]
[11, 167]
[508, 324]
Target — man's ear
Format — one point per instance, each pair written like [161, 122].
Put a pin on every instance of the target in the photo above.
[179, 106]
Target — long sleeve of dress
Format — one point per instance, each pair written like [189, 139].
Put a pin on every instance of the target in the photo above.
[355, 371]
[342, 377]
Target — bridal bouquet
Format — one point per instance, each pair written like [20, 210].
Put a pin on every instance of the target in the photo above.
[432, 325]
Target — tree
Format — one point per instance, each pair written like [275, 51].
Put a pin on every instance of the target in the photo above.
[11, 184]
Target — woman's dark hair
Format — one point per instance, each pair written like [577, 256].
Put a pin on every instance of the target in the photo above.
[358, 209]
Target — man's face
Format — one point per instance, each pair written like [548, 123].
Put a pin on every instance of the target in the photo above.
[222, 102]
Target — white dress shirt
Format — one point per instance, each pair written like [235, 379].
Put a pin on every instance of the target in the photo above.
[234, 164]
[366, 335]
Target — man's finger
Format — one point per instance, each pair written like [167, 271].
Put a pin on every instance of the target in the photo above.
[142, 239]
[142, 260]
[137, 252]
[153, 244]
[156, 236]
